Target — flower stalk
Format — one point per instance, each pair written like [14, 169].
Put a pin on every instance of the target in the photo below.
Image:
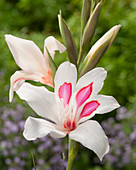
[73, 150]
[33, 161]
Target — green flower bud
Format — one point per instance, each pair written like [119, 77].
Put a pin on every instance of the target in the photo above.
[98, 50]
[68, 40]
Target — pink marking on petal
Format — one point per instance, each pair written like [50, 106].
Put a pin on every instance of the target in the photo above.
[69, 124]
[83, 94]
[89, 108]
[65, 92]
[73, 125]
[19, 79]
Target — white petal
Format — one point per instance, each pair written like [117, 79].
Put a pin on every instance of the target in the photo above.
[38, 128]
[26, 54]
[66, 73]
[53, 45]
[107, 104]
[97, 76]
[40, 100]
[17, 79]
[91, 135]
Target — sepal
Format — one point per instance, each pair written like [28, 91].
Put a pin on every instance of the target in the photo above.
[90, 28]
[85, 14]
[68, 40]
[98, 50]
[52, 65]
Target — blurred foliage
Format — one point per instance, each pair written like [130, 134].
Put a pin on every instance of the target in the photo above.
[36, 20]
[29, 15]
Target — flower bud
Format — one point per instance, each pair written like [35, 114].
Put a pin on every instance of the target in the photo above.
[85, 13]
[68, 40]
[90, 28]
[98, 50]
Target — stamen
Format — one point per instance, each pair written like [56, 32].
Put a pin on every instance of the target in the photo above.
[66, 116]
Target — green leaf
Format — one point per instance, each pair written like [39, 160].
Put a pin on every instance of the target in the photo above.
[68, 40]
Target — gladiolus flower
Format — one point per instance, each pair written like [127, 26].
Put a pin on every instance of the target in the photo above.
[67, 111]
[35, 65]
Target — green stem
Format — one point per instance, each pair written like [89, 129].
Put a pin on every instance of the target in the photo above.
[80, 57]
[73, 150]
[33, 160]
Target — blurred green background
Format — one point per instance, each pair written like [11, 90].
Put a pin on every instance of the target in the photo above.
[35, 20]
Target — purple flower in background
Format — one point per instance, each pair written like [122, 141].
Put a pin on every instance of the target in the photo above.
[121, 154]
